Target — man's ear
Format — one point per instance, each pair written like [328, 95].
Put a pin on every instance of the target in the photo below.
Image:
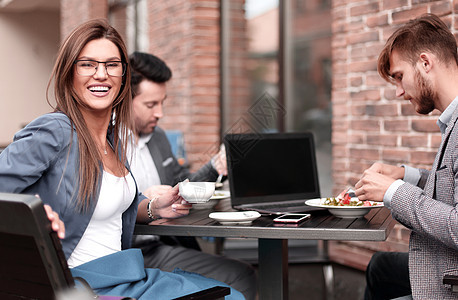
[426, 61]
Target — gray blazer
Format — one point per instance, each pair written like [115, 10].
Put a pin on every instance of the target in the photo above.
[170, 171]
[429, 210]
[42, 160]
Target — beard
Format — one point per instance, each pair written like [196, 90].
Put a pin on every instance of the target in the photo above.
[427, 97]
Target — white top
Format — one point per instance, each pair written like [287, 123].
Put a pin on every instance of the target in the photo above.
[103, 233]
[142, 164]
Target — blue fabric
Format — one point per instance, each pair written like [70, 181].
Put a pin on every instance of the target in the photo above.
[122, 273]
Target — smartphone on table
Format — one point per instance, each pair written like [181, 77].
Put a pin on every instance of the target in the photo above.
[291, 218]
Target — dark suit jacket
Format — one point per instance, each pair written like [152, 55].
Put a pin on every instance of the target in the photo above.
[168, 168]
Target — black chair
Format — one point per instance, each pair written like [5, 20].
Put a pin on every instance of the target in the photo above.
[33, 265]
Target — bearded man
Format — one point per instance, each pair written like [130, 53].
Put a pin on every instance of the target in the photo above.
[421, 60]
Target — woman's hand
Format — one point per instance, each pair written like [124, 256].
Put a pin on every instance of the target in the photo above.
[56, 223]
[156, 190]
[171, 205]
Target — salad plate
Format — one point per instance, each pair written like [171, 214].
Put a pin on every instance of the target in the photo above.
[235, 217]
[355, 209]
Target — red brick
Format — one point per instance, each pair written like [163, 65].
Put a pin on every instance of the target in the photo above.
[340, 68]
[357, 138]
[339, 82]
[373, 49]
[355, 26]
[339, 151]
[382, 140]
[407, 109]
[356, 80]
[405, 15]
[377, 20]
[371, 95]
[423, 157]
[365, 125]
[396, 156]
[374, 80]
[339, 165]
[340, 125]
[339, 26]
[368, 154]
[390, 93]
[425, 125]
[338, 13]
[338, 40]
[390, 4]
[413, 141]
[339, 54]
[364, 37]
[358, 52]
[441, 8]
[436, 141]
[341, 139]
[358, 110]
[363, 66]
[339, 109]
[359, 167]
[338, 3]
[382, 110]
[340, 97]
[364, 9]
[396, 125]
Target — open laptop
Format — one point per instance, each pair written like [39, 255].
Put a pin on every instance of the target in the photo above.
[272, 173]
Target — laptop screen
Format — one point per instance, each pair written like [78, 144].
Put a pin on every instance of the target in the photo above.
[272, 167]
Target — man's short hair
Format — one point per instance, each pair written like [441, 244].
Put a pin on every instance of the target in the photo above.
[427, 33]
[149, 67]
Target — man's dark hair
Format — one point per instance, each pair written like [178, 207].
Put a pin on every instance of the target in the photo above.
[149, 67]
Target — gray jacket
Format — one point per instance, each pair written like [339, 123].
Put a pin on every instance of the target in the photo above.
[429, 210]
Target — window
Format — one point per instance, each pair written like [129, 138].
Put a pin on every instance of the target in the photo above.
[276, 71]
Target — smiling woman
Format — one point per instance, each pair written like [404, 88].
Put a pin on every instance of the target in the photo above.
[75, 160]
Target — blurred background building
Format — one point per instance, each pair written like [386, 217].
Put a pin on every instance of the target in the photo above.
[247, 66]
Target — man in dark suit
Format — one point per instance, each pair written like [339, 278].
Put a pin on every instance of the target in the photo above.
[156, 169]
[421, 60]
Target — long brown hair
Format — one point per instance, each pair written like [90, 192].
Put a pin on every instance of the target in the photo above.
[425, 33]
[67, 102]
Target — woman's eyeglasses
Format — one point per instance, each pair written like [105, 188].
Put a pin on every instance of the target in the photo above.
[86, 67]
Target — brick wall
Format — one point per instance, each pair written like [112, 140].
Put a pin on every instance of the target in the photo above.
[74, 13]
[369, 123]
[186, 35]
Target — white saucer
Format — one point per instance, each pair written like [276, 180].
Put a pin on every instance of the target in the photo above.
[235, 217]
[218, 195]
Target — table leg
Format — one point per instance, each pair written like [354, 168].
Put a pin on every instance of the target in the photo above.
[273, 269]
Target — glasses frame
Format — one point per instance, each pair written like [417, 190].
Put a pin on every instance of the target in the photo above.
[124, 66]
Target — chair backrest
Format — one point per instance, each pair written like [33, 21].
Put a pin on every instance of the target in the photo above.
[176, 140]
[32, 263]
